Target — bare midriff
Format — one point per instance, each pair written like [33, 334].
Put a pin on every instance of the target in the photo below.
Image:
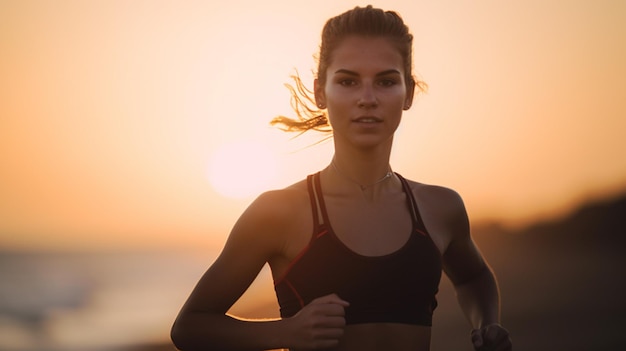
[384, 336]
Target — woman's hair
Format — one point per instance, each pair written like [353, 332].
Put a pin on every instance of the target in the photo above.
[362, 21]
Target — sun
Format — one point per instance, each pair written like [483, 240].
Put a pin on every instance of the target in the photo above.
[242, 169]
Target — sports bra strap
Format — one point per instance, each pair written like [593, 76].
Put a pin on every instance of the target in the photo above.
[313, 199]
[317, 204]
[415, 213]
[320, 199]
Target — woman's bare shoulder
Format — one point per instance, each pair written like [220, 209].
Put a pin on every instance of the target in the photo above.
[268, 221]
[437, 196]
[279, 206]
[284, 198]
[443, 212]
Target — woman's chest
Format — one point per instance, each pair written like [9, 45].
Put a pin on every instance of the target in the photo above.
[371, 230]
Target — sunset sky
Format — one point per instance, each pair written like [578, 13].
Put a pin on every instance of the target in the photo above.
[130, 124]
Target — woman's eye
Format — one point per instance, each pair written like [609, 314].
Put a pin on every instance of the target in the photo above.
[387, 82]
[347, 82]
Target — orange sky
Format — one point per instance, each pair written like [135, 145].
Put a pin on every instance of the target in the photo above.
[112, 112]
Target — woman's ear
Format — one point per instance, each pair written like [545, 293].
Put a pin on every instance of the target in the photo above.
[410, 92]
[320, 97]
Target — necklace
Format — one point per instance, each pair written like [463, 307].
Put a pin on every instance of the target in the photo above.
[363, 187]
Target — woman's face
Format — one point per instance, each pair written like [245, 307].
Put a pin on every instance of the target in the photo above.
[365, 91]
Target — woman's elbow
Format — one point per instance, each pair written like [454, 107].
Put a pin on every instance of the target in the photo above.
[176, 336]
[180, 337]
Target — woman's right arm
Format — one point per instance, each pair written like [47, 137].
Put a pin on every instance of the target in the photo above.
[259, 234]
[202, 323]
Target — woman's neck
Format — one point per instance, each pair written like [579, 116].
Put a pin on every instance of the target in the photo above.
[363, 175]
[367, 175]
[362, 166]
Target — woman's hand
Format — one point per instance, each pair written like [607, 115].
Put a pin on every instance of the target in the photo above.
[492, 337]
[319, 324]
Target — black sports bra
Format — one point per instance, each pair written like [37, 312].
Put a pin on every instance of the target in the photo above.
[396, 288]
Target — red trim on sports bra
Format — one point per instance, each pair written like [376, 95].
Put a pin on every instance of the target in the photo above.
[291, 264]
[298, 257]
[321, 234]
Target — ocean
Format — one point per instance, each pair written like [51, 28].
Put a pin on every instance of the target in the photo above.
[93, 301]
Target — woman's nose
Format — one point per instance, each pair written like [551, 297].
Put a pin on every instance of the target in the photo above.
[367, 99]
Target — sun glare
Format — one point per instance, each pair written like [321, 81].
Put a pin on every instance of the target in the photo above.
[242, 169]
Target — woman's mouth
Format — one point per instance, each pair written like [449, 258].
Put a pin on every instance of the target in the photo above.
[367, 120]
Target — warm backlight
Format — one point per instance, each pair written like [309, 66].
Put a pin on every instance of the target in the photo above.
[242, 169]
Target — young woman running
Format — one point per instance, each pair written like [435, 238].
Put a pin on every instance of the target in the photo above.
[356, 250]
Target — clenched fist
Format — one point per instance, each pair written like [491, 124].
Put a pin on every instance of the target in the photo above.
[320, 324]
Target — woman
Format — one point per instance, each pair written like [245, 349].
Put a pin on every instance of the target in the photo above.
[356, 251]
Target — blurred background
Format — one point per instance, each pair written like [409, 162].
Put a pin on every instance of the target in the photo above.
[134, 133]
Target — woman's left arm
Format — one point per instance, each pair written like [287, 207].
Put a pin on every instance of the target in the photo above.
[475, 284]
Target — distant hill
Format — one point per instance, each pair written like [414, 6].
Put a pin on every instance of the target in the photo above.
[600, 224]
[562, 281]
